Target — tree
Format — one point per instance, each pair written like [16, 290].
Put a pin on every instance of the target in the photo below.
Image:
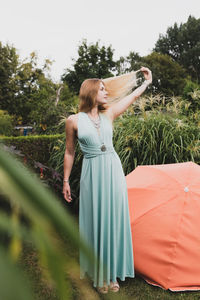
[132, 62]
[6, 126]
[28, 93]
[169, 77]
[9, 61]
[33, 89]
[182, 43]
[25, 90]
[93, 62]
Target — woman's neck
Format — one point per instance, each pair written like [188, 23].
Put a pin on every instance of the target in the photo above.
[94, 112]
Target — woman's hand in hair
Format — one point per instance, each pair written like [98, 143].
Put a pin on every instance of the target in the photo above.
[147, 73]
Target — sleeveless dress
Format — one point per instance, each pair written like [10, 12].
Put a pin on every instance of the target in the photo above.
[104, 221]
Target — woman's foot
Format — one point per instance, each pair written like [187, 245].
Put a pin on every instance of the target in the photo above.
[114, 286]
[103, 289]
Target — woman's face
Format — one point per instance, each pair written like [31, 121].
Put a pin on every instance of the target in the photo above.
[102, 94]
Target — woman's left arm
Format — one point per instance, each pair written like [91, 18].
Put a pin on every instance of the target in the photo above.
[118, 108]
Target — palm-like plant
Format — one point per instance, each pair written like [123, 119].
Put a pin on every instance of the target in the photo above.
[46, 226]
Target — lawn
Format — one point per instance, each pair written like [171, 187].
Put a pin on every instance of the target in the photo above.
[130, 289]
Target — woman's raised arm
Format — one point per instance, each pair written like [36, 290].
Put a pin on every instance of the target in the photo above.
[118, 108]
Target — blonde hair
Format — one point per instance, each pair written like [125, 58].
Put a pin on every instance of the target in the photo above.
[120, 86]
[117, 87]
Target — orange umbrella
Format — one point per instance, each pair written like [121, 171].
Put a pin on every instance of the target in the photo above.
[164, 206]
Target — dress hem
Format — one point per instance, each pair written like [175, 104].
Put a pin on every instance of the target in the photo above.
[122, 278]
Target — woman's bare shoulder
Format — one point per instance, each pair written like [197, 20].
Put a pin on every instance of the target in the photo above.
[74, 119]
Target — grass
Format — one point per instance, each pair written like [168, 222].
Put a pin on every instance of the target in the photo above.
[130, 289]
[41, 287]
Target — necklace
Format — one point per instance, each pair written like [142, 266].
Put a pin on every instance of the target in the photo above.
[97, 124]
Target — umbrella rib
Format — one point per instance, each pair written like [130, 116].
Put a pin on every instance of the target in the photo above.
[177, 242]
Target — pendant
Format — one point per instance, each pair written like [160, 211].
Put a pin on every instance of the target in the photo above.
[103, 148]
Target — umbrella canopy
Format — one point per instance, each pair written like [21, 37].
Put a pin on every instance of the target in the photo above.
[164, 206]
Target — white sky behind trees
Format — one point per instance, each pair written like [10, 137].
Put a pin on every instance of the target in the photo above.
[54, 29]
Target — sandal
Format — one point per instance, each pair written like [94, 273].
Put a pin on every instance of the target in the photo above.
[114, 286]
[103, 289]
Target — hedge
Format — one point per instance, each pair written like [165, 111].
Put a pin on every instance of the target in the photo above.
[35, 152]
[34, 148]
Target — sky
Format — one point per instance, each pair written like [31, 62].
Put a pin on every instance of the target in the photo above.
[55, 29]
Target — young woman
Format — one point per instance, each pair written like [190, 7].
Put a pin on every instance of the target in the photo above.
[103, 205]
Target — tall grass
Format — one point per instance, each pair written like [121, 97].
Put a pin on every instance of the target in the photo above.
[155, 138]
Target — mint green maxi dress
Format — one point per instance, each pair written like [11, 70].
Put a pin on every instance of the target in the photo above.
[104, 221]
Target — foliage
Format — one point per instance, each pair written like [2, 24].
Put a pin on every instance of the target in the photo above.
[28, 93]
[34, 91]
[49, 116]
[168, 75]
[93, 61]
[182, 43]
[34, 152]
[129, 63]
[32, 98]
[6, 123]
[156, 138]
[9, 61]
[191, 93]
[29, 85]
[190, 87]
[67, 97]
[34, 148]
[46, 227]
[155, 131]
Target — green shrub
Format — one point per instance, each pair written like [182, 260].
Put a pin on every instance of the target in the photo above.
[191, 93]
[34, 151]
[155, 138]
[34, 148]
[6, 124]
